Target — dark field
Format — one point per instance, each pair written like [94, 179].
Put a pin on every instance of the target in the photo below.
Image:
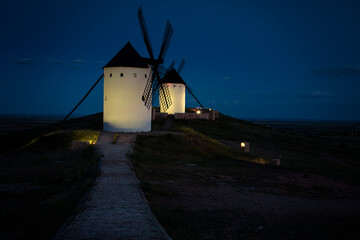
[42, 179]
[346, 130]
[9, 124]
[199, 184]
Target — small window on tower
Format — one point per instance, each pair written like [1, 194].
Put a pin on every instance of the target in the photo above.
[174, 85]
[121, 74]
[145, 76]
[134, 74]
[110, 74]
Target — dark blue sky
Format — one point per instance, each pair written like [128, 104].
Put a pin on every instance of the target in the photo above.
[249, 59]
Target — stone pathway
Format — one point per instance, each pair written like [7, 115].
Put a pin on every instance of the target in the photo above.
[116, 208]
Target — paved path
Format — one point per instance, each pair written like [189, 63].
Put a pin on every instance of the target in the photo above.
[116, 208]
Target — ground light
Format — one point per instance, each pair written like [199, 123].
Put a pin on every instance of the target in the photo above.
[245, 146]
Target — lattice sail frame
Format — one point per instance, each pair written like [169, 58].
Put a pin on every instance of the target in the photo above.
[155, 88]
[164, 95]
[147, 94]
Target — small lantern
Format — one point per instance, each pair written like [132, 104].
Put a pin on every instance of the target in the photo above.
[245, 146]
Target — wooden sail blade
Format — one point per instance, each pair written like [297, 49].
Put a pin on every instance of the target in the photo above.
[166, 41]
[147, 94]
[164, 97]
[145, 33]
[181, 66]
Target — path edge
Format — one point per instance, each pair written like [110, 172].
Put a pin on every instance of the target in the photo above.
[143, 196]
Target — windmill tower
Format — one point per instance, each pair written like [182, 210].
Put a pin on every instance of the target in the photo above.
[176, 86]
[127, 105]
[125, 76]
[132, 83]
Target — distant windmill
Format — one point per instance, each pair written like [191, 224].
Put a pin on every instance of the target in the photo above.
[176, 87]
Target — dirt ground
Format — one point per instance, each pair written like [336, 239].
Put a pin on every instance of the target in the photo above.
[260, 202]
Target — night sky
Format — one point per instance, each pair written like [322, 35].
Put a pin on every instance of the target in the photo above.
[249, 59]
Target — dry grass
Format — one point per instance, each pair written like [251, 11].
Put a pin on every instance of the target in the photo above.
[43, 183]
[200, 188]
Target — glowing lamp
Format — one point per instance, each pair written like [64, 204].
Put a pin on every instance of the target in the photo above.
[198, 111]
[245, 146]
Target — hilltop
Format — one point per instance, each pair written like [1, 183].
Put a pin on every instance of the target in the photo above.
[201, 185]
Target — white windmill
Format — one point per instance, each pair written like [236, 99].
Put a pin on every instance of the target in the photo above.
[130, 81]
[176, 86]
[124, 79]
[127, 105]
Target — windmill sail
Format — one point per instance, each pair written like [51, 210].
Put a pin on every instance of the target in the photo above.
[147, 91]
[153, 86]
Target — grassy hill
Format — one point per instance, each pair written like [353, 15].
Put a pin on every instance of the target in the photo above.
[13, 140]
[199, 183]
[42, 179]
[296, 151]
[201, 186]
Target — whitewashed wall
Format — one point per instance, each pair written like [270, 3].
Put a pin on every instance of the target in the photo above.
[124, 110]
[177, 94]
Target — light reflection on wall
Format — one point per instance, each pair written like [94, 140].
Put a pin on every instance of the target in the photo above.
[124, 110]
[177, 95]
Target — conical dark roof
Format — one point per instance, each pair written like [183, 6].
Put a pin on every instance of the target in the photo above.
[173, 77]
[127, 57]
